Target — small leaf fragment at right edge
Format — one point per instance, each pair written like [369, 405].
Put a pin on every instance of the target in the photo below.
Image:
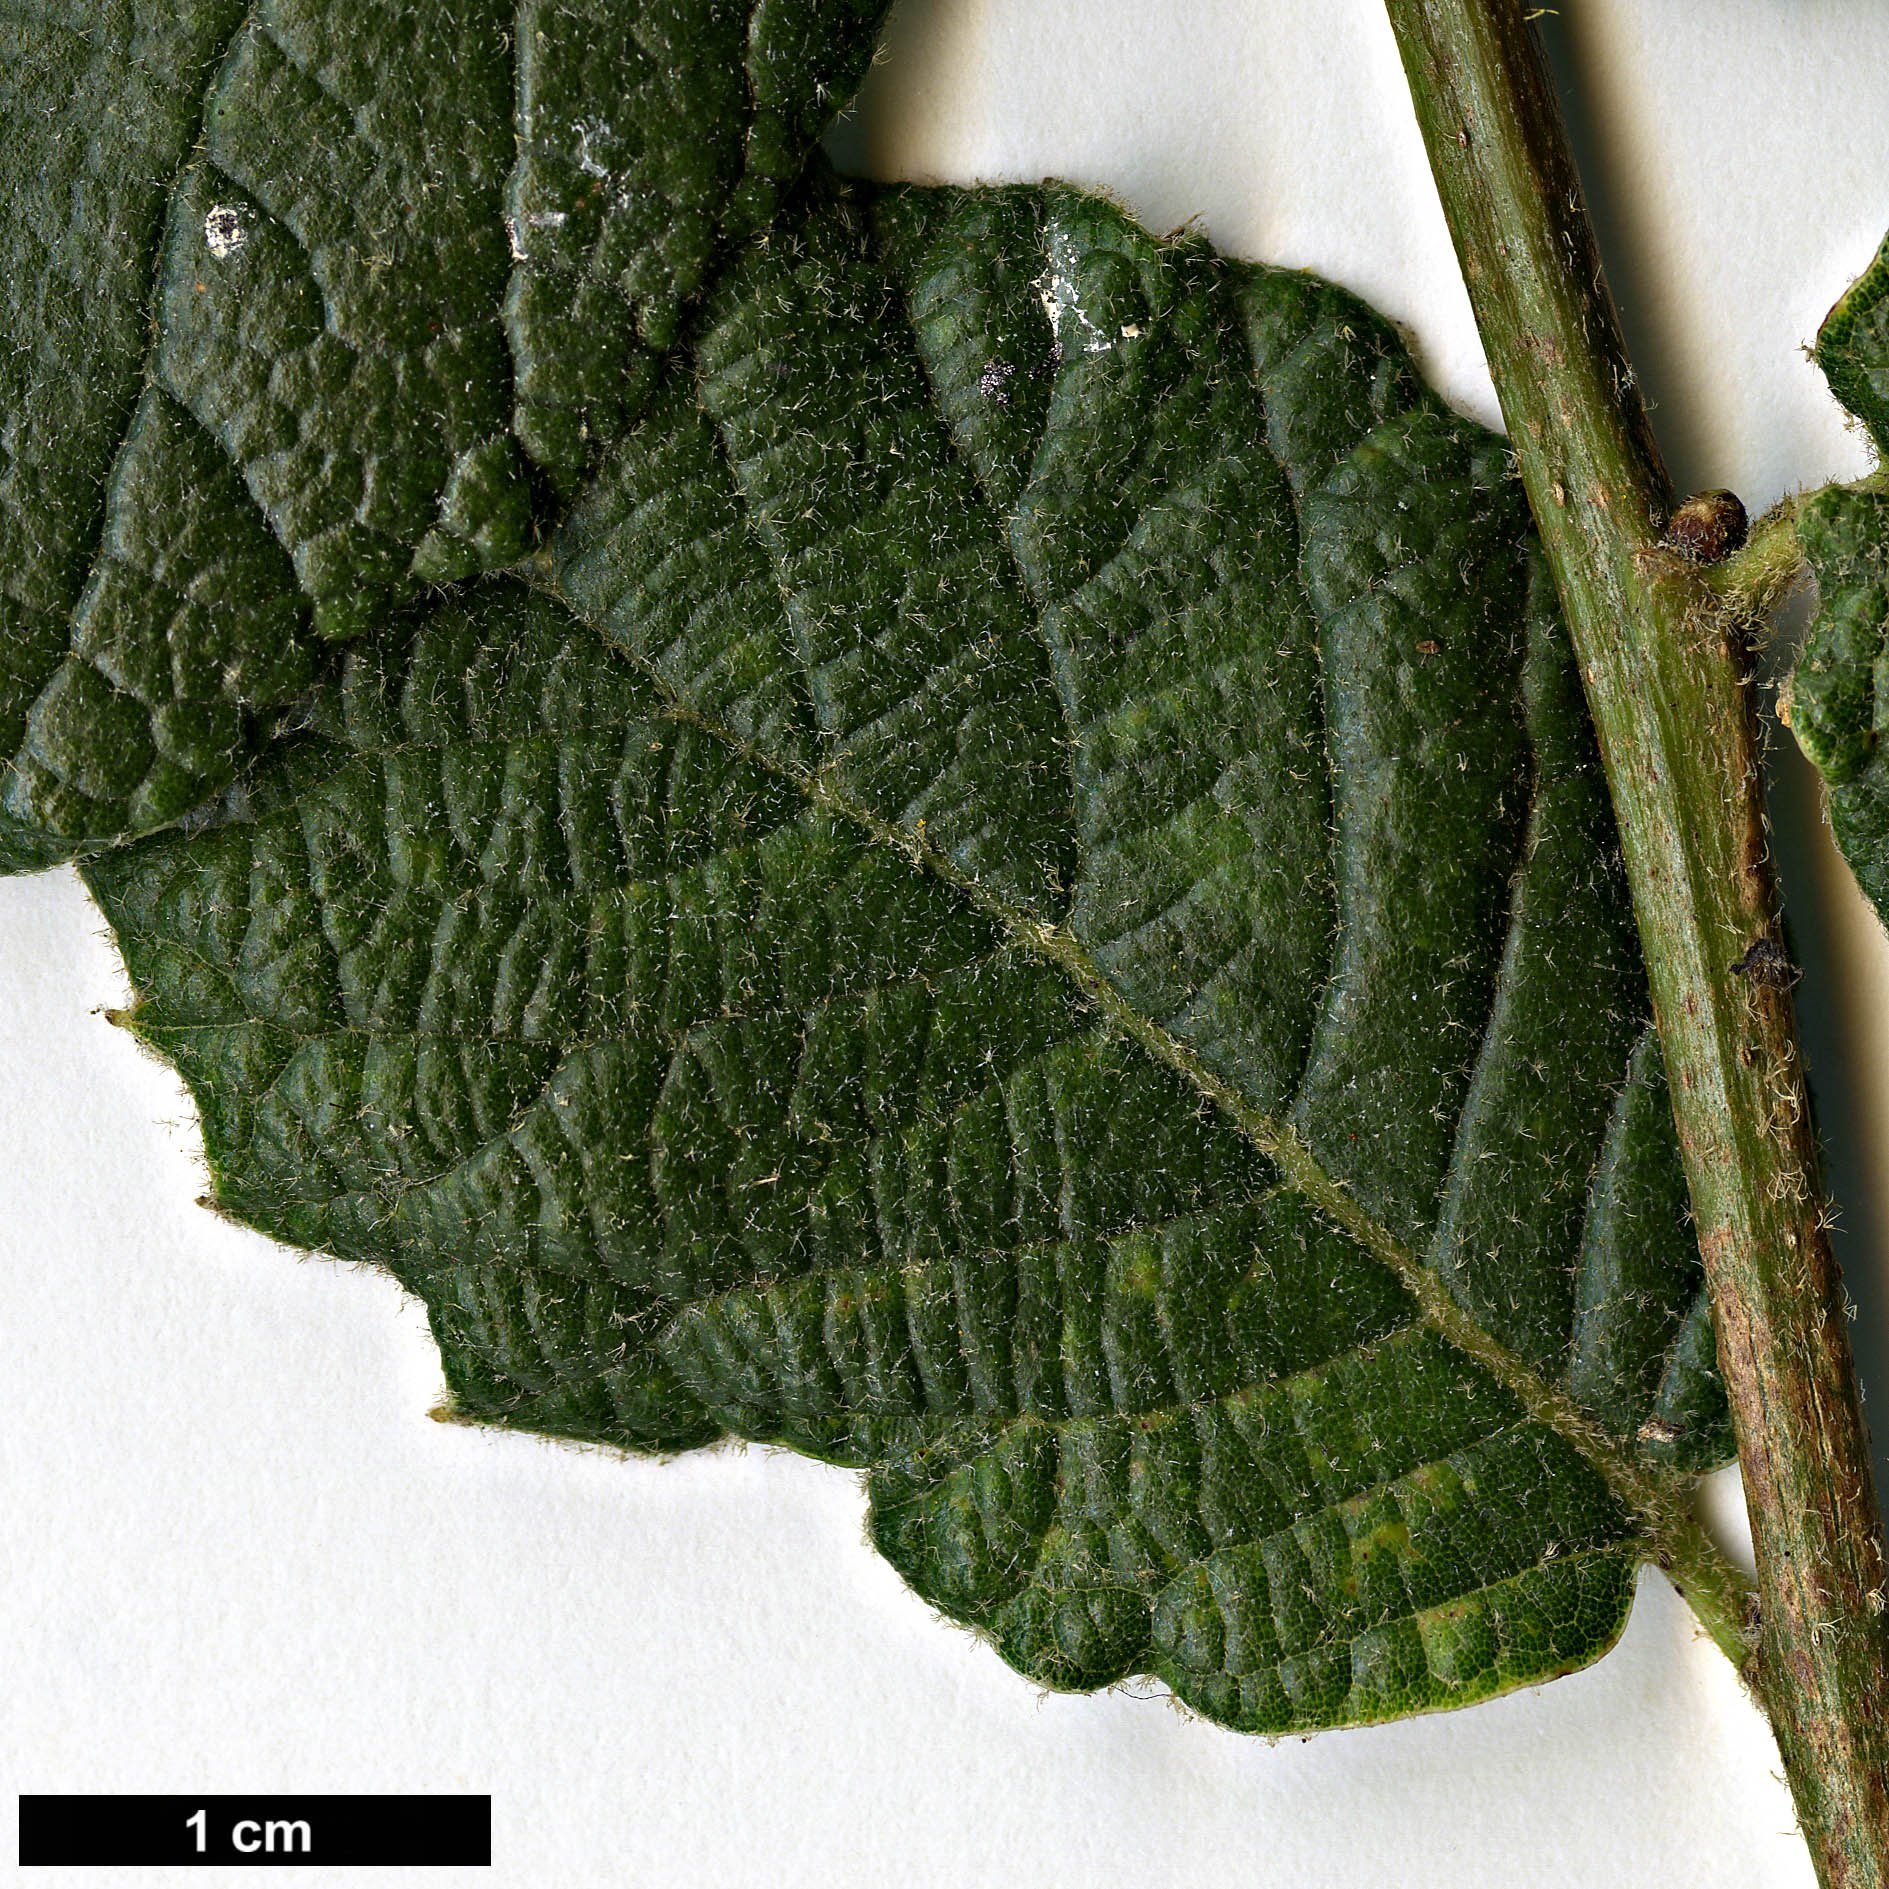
[1853, 347]
[1834, 700]
[1836, 691]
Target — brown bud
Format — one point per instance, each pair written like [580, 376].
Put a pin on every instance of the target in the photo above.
[1707, 527]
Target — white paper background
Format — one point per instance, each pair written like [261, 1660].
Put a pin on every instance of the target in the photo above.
[237, 1556]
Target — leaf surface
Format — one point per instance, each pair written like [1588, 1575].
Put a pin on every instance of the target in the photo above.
[297, 327]
[1837, 698]
[1022, 898]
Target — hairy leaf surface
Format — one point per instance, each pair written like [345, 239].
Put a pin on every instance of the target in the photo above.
[312, 305]
[1838, 695]
[1022, 898]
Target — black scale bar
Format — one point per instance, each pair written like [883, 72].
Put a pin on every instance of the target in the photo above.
[260, 1832]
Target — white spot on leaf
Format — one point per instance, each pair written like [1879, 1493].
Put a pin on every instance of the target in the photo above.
[535, 220]
[586, 162]
[223, 231]
[1056, 287]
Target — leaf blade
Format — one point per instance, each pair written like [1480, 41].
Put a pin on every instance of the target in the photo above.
[705, 1061]
[1829, 699]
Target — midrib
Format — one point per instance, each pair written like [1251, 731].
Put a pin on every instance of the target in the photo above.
[1668, 1533]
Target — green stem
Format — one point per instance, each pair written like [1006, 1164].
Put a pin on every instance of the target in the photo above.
[1756, 577]
[1662, 656]
[1716, 1593]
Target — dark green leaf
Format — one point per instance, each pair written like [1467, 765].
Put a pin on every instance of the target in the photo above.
[1835, 698]
[1022, 899]
[1853, 347]
[301, 301]
[1835, 694]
